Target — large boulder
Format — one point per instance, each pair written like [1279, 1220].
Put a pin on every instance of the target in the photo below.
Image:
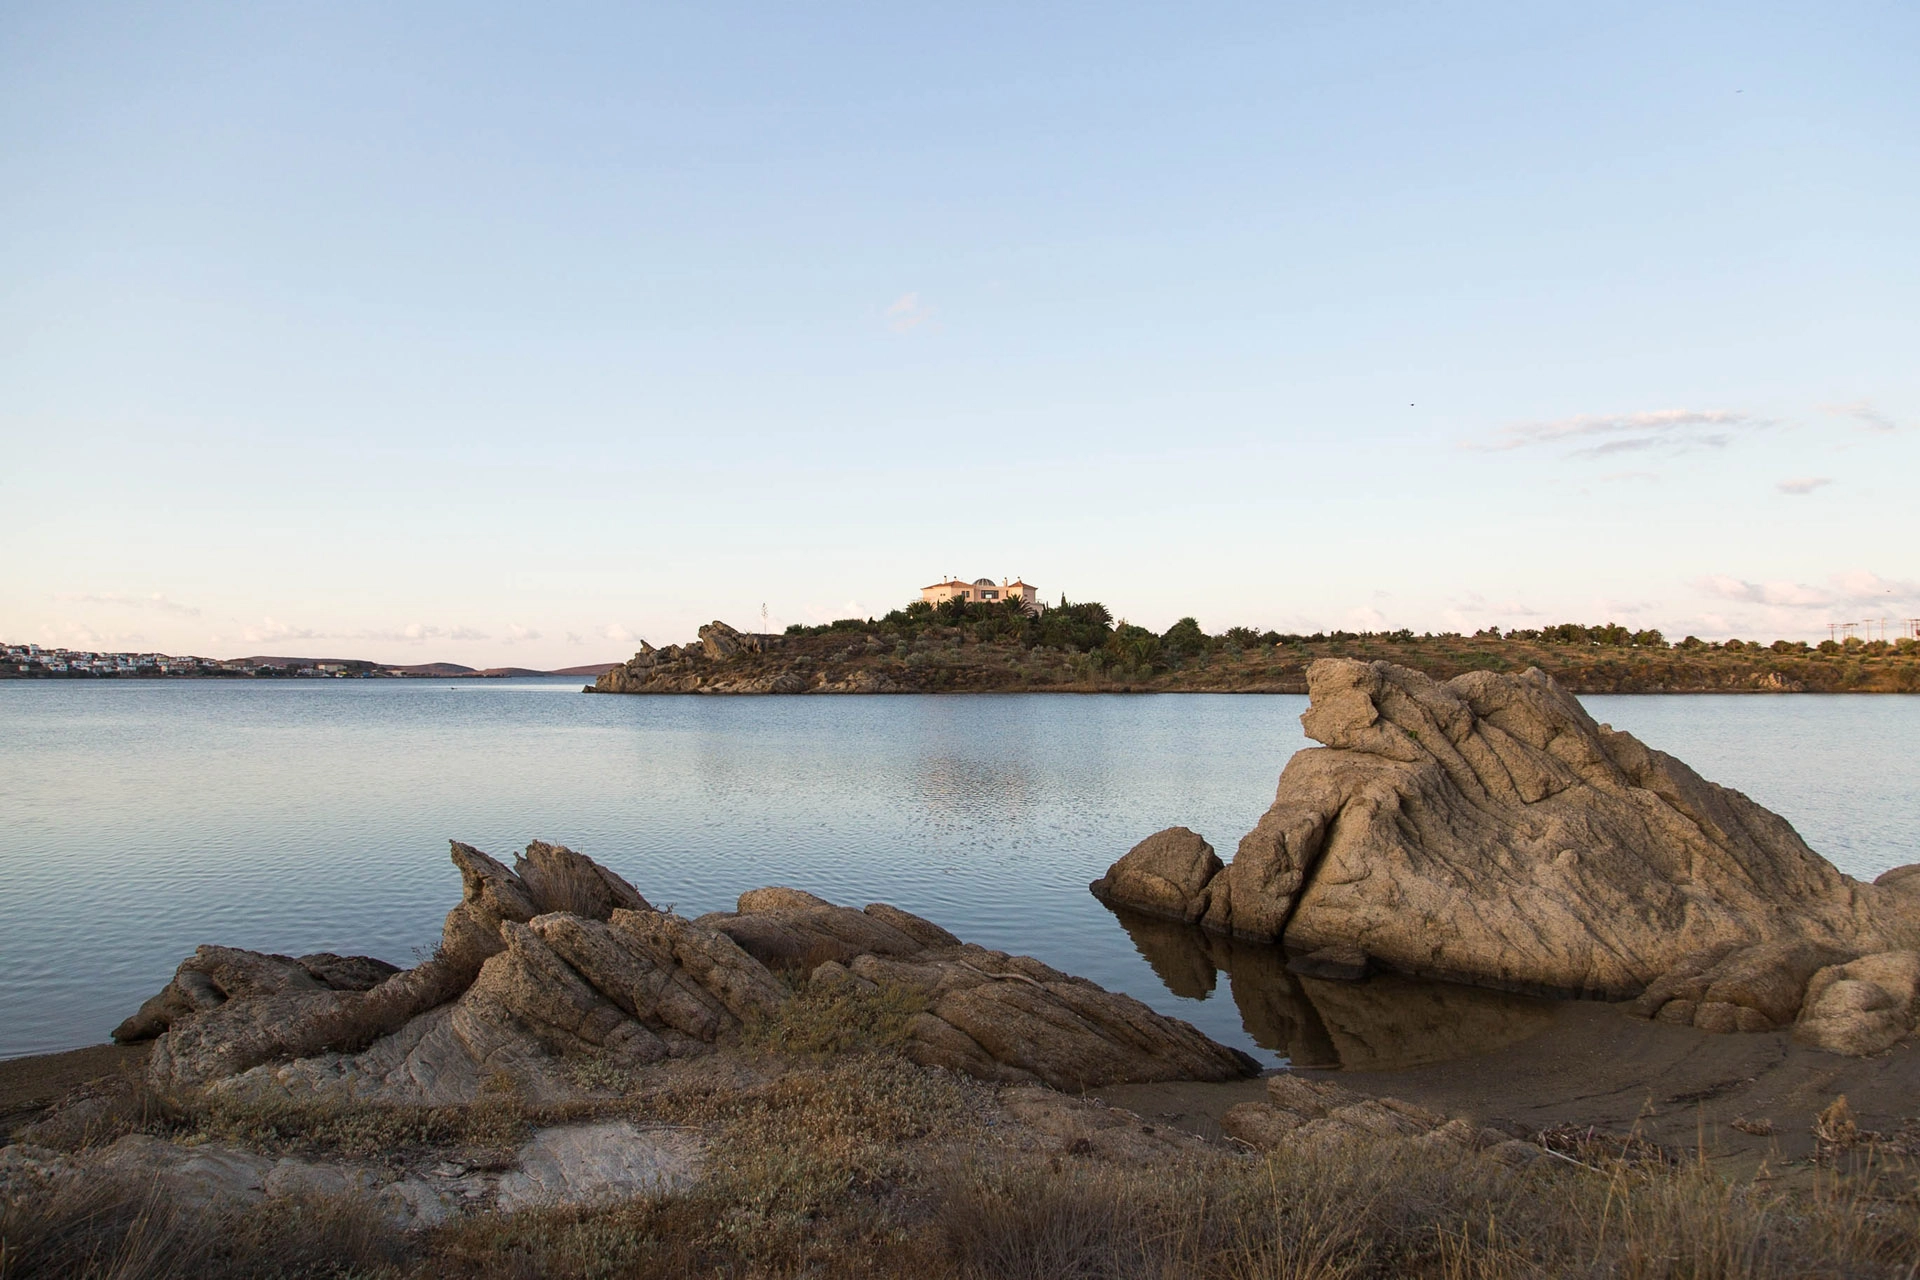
[720, 641]
[701, 667]
[1487, 830]
[1863, 1006]
[558, 962]
[1166, 874]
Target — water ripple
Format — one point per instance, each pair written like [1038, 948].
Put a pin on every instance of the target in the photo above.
[140, 819]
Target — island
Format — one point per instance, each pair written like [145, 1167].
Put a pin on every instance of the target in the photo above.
[1007, 646]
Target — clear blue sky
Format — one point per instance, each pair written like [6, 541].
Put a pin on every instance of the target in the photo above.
[505, 334]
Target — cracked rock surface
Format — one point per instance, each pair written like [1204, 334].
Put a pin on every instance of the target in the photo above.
[558, 960]
[1487, 830]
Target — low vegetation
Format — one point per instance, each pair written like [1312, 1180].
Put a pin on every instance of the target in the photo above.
[873, 1168]
[846, 1160]
[1081, 647]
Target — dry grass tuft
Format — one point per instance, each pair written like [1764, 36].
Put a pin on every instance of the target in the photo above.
[1389, 1212]
[866, 1165]
[126, 1229]
[356, 1130]
[100, 1111]
[839, 1018]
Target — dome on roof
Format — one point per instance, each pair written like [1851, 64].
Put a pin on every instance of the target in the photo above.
[983, 582]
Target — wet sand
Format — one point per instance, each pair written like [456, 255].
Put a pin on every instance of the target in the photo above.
[1592, 1064]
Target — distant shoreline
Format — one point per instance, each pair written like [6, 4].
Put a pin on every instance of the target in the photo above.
[932, 656]
[30, 662]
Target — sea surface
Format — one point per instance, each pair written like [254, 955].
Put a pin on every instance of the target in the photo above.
[139, 819]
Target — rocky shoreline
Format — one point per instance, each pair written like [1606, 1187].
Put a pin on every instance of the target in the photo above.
[1486, 830]
[869, 658]
[810, 1084]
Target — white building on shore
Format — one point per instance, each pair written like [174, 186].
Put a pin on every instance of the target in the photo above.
[984, 591]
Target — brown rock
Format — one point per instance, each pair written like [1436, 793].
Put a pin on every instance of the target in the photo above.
[637, 985]
[558, 879]
[1260, 1125]
[1164, 875]
[709, 958]
[634, 977]
[1753, 988]
[925, 932]
[1904, 879]
[787, 929]
[1488, 831]
[563, 1009]
[718, 641]
[211, 976]
[1310, 1098]
[1863, 1006]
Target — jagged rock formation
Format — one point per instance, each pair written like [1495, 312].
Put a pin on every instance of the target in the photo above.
[989, 1014]
[1486, 830]
[559, 959]
[698, 668]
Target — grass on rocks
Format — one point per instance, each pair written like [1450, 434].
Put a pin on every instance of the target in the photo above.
[837, 1018]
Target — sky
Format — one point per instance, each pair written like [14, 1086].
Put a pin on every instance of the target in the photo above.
[510, 335]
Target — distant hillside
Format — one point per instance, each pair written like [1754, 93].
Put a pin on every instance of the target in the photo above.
[591, 669]
[259, 661]
[432, 669]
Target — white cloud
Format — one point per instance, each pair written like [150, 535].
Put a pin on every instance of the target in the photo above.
[1803, 485]
[80, 636]
[467, 633]
[156, 602]
[1852, 590]
[273, 629]
[516, 633]
[574, 637]
[615, 631]
[1608, 435]
[1865, 590]
[908, 313]
[1792, 595]
[1863, 412]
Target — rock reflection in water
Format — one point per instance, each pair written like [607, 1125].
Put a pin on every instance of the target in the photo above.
[1385, 1022]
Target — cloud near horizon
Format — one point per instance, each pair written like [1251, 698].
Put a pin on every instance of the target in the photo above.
[1852, 590]
[156, 601]
[414, 633]
[1609, 435]
[1804, 485]
[272, 629]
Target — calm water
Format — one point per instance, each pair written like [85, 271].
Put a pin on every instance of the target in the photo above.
[140, 819]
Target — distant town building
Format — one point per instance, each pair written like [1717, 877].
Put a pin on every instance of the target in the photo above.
[983, 591]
